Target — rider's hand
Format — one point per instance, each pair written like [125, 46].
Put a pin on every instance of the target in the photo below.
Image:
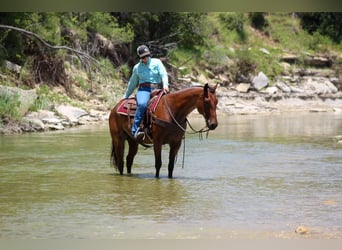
[166, 89]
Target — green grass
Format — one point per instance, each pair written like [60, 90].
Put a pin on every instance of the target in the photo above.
[232, 36]
[9, 106]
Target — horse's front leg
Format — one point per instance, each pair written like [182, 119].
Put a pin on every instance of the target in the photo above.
[157, 156]
[174, 147]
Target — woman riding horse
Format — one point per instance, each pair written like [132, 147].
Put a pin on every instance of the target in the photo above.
[167, 127]
[147, 74]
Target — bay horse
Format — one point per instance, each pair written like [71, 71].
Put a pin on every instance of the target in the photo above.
[168, 125]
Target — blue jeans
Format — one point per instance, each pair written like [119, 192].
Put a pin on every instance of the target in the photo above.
[143, 96]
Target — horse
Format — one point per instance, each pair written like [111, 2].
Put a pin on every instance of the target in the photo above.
[168, 125]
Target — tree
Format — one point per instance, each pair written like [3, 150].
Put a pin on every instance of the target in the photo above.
[326, 23]
[36, 39]
[182, 29]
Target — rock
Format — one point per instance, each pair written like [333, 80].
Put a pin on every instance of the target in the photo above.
[283, 87]
[296, 90]
[271, 90]
[243, 87]
[25, 97]
[260, 81]
[210, 73]
[286, 68]
[223, 78]
[36, 123]
[196, 84]
[70, 113]
[52, 120]
[243, 79]
[318, 61]
[56, 126]
[83, 121]
[338, 137]
[318, 85]
[331, 86]
[318, 110]
[41, 114]
[289, 58]
[12, 66]
[265, 51]
[201, 78]
[335, 80]
[301, 230]
[184, 79]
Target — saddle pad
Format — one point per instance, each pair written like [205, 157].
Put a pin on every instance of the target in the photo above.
[131, 104]
[128, 104]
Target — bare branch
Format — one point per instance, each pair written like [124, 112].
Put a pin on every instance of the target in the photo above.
[80, 54]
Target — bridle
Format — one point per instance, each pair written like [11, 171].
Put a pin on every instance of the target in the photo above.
[205, 129]
[194, 131]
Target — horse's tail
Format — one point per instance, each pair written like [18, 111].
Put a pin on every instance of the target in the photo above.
[114, 158]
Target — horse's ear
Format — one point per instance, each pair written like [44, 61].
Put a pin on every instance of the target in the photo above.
[206, 88]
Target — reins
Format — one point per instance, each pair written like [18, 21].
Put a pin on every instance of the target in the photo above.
[194, 131]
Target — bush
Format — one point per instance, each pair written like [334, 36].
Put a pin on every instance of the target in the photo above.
[9, 106]
[326, 23]
[234, 22]
[258, 20]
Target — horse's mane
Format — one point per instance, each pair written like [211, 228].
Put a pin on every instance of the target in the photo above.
[211, 89]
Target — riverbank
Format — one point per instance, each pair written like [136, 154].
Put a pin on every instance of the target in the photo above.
[308, 93]
[234, 102]
[231, 102]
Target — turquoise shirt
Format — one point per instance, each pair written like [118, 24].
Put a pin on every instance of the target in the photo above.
[152, 72]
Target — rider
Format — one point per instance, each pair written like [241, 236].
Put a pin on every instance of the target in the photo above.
[147, 74]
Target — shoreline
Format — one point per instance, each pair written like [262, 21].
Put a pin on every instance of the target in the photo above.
[230, 102]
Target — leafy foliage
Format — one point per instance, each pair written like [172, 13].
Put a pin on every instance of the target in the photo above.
[223, 42]
[184, 29]
[258, 20]
[326, 23]
[234, 22]
[9, 106]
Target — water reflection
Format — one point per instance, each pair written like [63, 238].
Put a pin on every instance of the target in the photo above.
[294, 126]
[140, 196]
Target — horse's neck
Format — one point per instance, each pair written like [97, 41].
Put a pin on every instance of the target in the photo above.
[183, 102]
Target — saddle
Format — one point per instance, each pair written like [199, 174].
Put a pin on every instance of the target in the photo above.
[128, 108]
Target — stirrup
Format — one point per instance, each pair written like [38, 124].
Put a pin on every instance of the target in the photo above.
[139, 136]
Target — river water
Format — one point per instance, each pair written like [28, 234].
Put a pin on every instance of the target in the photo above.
[255, 177]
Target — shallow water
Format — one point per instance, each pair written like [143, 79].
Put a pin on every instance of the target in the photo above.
[254, 177]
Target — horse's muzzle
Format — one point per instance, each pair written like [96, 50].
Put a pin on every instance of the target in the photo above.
[211, 125]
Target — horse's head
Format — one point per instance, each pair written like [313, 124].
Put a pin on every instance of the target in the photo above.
[206, 106]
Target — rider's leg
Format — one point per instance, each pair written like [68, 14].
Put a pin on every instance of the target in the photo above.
[142, 100]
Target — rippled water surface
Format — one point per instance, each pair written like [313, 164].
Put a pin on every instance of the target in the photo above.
[254, 177]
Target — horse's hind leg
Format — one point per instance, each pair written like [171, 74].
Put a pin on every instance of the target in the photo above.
[119, 145]
[132, 151]
[174, 147]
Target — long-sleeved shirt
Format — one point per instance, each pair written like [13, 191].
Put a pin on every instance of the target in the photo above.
[152, 72]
